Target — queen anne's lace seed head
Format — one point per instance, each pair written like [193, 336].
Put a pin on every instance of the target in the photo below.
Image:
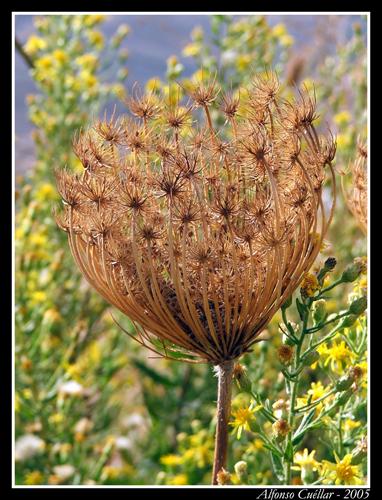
[356, 197]
[199, 235]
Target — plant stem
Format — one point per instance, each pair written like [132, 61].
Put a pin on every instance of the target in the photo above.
[23, 54]
[225, 373]
[293, 388]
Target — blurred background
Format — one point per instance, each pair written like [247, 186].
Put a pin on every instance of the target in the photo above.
[153, 39]
[92, 407]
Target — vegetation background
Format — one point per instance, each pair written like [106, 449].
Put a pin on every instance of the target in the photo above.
[91, 406]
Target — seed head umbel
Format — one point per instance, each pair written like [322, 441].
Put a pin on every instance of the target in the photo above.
[199, 235]
[356, 195]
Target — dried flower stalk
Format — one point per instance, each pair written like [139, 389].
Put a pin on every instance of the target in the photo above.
[356, 198]
[199, 235]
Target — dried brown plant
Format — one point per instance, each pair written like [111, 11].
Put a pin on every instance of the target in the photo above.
[356, 197]
[200, 236]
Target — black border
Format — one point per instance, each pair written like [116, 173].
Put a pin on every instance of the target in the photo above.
[6, 436]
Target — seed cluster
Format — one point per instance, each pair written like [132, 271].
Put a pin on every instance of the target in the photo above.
[199, 235]
[356, 198]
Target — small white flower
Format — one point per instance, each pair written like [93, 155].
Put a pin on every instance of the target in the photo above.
[135, 420]
[28, 446]
[123, 443]
[71, 388]
[64, 471]
[228, 56]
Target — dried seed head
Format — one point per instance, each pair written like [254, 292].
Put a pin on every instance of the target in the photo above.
[145, 106]
[281, 429]
[200, 235]
[223, 477]
[204, 93]
[230, 105]
[356, 197]
[285, 354]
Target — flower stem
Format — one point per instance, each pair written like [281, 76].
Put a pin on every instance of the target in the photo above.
[224, 372]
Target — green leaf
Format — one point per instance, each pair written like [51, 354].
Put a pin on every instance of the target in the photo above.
[289, 452]
[153, 374]
[301, 309]
[277, 466]
[303, 427]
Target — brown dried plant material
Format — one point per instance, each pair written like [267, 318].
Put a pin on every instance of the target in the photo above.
[199, 236]
[356, 197]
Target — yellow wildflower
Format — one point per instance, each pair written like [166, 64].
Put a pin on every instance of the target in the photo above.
[94, 353]
[308, 84]
[350, 424]
[56, 418]
[243, 61]
[96, 38]
[343, 141]
[60, 56]
[307, 465]
[74, 370]
[72, 83]
[310, 284]
[171, 460]
[27, 393]
[286, 40]
[87, 78]
[199, 455]
[153, 84]
[360, 286]
[342, 118]
[38, 297]
[172, 61]
[305, 460]
[38, 240]
[45, 62]
[110, 472]
[326, 281]
[87, 61]
[242, 419]
[191, 50]
[19, 233]
[279, 30]
[34, 477]
[34, 44]
[338, 355]
[93, 19]
[46, 192]
[341, 472]
[178, 480]
[258, 444]
[316, 391]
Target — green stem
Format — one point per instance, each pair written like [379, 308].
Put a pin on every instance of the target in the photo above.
[329, 336]
[314, 403]
[293, 387]
[333, 285]
[319, 327]
[340, 444]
